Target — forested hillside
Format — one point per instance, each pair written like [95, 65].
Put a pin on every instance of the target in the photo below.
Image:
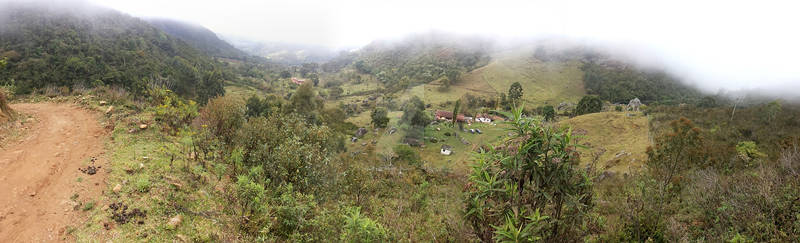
[198, 37]
[69, 45]
[620, 82]
[422, 58]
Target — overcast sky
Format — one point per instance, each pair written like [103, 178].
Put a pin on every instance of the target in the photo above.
[731, 44]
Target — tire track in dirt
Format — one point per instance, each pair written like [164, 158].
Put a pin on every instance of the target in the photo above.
[39, 173]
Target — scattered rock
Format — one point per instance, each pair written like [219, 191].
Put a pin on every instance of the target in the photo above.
[353, 139]
[32, 194]
[361, 132]
[117, 188]
[363, 144]
[174, 222]
[110, 109]
[103, 102]
[143, 126]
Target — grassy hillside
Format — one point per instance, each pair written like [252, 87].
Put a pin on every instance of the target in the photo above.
[542, 82]
[624, 139]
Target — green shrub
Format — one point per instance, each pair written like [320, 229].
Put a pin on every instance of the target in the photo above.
[293, 211]
[536, 171]
[358, 228]
[676, 152]
[222, 116]
[173, 112]
[748, 152]
[289, 150]
[252, 201]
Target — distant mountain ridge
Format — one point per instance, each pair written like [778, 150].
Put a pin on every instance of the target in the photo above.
[199, 37]
[285, 53]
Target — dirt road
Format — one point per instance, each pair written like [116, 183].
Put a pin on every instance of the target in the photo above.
[39, 173]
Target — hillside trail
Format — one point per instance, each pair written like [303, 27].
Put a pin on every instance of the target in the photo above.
[39, 173]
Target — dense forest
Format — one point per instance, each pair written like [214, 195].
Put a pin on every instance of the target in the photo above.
[84, 46]
[198, 37]
[422, 58]
[619, 82]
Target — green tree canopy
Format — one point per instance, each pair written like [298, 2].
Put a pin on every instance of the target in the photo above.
[379, 117]
[515, 93]
[414, 113]
[589, 104]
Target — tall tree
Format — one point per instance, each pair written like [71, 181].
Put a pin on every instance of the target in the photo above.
[455, 112]
[515, 93]
[548, 112]
[414, 112]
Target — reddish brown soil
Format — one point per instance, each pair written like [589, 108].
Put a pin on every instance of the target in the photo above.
[39, 173]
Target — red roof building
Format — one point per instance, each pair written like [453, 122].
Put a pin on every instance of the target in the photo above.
[443, 115]
[446, 115]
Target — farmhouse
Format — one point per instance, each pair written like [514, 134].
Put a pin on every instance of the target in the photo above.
[448, 116]
[298, 81]
[443, 115]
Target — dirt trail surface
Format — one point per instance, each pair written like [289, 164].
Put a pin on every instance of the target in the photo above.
[39, 173]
